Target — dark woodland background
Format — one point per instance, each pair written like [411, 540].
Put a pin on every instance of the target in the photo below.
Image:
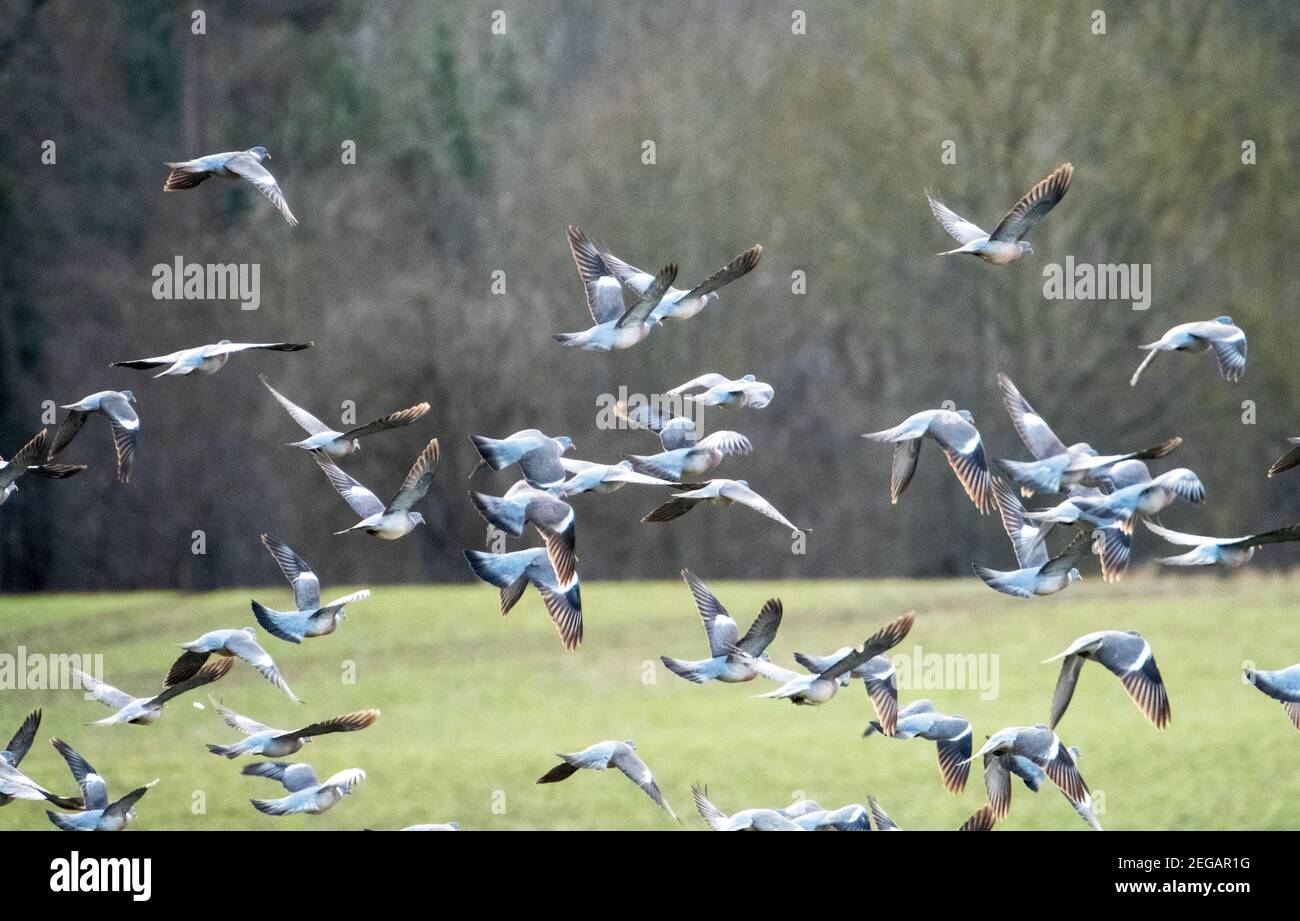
[474, 151]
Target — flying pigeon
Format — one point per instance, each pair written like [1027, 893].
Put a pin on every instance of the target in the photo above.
[1007, 243]
[721, 631]
[687, 464]
[30, 459]
[719, 492]
[956, 435]
[618, 327]
[878, 675]
[609, 754]
[718, 390]
[394, 520]
[1282, 685]
[853, 817]
[310, 617]
[551, 516]
[1037, 574]
[228, 643]
[1040, 746]
[144, 711]
[1227, 340]
[306, 793]
[514, 572]
[951, 735]
[1058, 468]
[116, 407]
[673, 303]
[205, 359]
[278, 743]
[745, 820]
[602, 478]
[14, 784]
[1128, 657]
[340, 444]
[538, 455]
[814, 690]
[1220, 551]
[234, 164]
[99, 813]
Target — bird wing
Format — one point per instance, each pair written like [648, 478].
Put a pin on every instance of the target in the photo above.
[346, 779]
[886, 638]
[555, 521]
[121, 808]
[417, 481]
[348, 722]
[960, 229]
[230, 348]
[106, 694]
[94, 792]
[737, 492]
[67, 430]
[649, 300]
[714, 817]
[1075, 551]
[604, 300]
[954, 755]
[1035, 204]
[961, 444]
[882, 819]
[248, 167]
[763, 630]
[741, 265]
[306, 584]
[293, 776]
[242, 644]
[997, 784]
[21, 743]
[1065, 683]
[1030, 551]
[981, 820]
[363, 502]
[671, 510]
[1140, 677]
[309, 423]
[158, 361]
[1032, 428]
[242, 724]
[719, 626]
[126, 427]
[391, 421]
[882, 689]
[1062, 770]
[212, 670]
[627, 761]
[1231, 355]
[727, 442]
[769, 670]
[1279, 536]
[565, 611]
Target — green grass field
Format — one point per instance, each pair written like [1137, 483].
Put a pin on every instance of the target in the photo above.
[474, 705]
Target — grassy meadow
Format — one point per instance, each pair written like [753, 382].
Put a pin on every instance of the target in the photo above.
[474, 705]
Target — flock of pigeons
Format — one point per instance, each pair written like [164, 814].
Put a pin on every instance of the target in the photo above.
[1102, 496]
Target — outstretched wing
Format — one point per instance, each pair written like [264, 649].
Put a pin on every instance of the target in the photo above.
[417, 479]
[236, 722]
[741, 265]
[604, 287]
[1035, 204]
[391, 421]
[763, 630]
[960, 229]
[637, 313]
[247, 167]
[719, 626]
[1032, 428]
[21, 743]
[306, 584]
[348, 722]
[309, 423]
[363, 501]
[737, 492]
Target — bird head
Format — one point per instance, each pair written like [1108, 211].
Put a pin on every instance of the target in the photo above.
[356, 444]
[1250, 674]
[710, 298]
[965, 414]
[130, 397]
[1075, 575]
[1225, 320]
[261, 153]
[630, 744]
[565, 443]
[417, 517]
[749, 377]
[1026, 248]
[224, 342]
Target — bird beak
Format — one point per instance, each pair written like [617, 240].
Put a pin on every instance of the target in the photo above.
[1059, 655]
[268, 156]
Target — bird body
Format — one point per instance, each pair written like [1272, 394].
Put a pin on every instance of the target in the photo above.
[724, 492]
[305, 793]
[609, 754]
[956, 435]
[513, 572]
[745, 819]
[603, 478]
[1282, 685]
[692, 462]
[1127, 656]
[144, 711]
[718, 390]
[1039, 746]
[309, 618]
[539, 456]
[952, 736]
[553, 518]
[616, 327]
[395, 519]
[238, 643]
[99, 814]
[320, 437]
[1229, 552]
[268, 742]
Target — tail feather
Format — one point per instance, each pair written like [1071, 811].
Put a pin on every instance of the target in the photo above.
[180, 178]
[269, 621]
[683, 669]
[225, 751]
[495, 452]
[501, 513]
